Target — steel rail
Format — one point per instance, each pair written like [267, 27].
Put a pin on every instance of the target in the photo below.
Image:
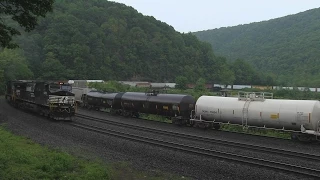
[284, 167]
[247, 146]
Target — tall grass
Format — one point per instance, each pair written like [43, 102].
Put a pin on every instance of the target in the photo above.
[21, 158]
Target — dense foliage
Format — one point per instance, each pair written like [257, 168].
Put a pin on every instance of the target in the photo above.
[287, 48]
[106, 40]
[25, 13]
[110, 41]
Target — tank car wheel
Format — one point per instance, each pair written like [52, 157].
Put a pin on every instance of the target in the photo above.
[137, 115]
[306, 137]
[176, 121]
[216, 126]
[202, 126]
[294, 137]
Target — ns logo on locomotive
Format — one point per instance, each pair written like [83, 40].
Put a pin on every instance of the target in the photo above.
[52, 99]
[249, 109]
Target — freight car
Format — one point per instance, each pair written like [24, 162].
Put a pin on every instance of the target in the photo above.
[52, 99]
[174, 106]
[251, 109]
[97, 99]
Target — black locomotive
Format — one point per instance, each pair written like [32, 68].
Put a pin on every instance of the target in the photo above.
[52, 99]
[174, 106]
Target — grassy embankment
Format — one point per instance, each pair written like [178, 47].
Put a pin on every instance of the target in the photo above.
[20, 158]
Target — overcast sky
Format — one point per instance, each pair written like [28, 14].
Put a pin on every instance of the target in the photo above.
[191, 15]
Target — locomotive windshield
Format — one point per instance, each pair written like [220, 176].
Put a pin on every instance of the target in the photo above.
[66, 88]
[60, 87]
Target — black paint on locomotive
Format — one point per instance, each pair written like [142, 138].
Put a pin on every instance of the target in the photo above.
[34, 95]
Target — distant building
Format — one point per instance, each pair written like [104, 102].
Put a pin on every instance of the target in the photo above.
[82, 83]
[147, 85]
[163, 85]
[132, 83]
[208, 86]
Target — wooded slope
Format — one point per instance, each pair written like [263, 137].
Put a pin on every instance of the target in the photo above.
[288, 46]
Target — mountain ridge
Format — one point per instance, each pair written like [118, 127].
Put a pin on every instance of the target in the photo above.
[282, 46]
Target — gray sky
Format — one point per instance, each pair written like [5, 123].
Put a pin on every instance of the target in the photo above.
[191, 15]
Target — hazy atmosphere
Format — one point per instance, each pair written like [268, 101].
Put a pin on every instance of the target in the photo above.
[159, 89]
[188, 15]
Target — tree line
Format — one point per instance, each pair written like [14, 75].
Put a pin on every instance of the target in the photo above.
[105, 40]
[286, 48]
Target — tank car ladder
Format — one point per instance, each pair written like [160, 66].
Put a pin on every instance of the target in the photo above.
[245, 113]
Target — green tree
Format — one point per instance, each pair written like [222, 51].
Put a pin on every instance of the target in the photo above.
[227, 76]
[13, 66]
[52, 69]
[243, 72]
[25, 13]
[200, 85]
[181, 82]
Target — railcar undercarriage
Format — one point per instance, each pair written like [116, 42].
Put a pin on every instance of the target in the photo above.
[56, 111]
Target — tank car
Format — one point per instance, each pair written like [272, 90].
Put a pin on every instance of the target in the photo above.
[52, 99]
[175, 106]
[97, 100]
[251, 109]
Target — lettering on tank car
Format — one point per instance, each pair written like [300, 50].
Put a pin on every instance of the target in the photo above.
[213, 112]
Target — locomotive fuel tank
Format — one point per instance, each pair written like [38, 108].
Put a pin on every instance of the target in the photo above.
[258, 111]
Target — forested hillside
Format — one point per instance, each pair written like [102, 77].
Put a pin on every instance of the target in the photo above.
[105, 40]
[288, 47]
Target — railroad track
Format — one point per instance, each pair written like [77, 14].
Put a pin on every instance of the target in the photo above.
[271, 137]
[287, 153]
[284, 167]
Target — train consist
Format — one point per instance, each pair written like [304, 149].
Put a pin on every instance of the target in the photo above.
[249, 109]
[58, 100]
[52, 99]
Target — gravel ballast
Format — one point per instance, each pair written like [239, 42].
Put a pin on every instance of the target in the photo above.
[142, 156]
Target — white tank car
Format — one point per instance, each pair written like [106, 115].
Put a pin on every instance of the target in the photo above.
[254, 109]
